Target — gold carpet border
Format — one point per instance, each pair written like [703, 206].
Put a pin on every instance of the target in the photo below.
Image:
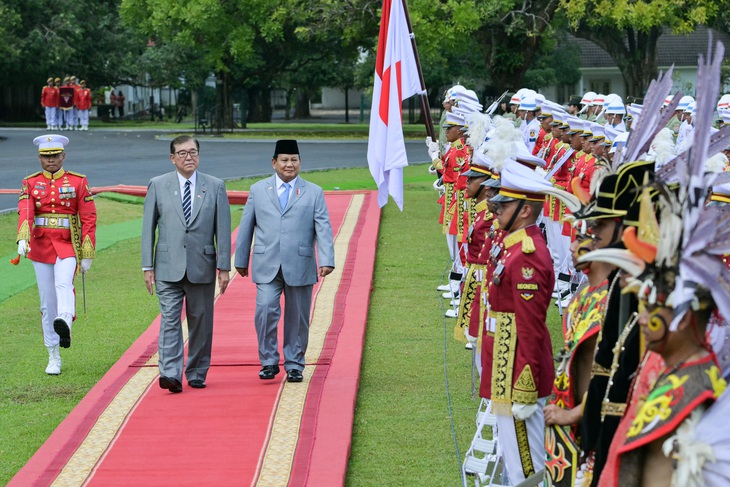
[277, 461]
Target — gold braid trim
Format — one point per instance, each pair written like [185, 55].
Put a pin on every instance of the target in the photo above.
[525, 390]
[523, 446]
[75, 227]
[520, 236]
[24, 232]
[87, 249]
[503, 362]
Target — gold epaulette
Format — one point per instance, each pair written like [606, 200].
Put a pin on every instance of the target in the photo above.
[481, 206]
[457, 144]
[438, 164]
[76, 174]
[87, 249]
[528, 245]
[578, 154]
[548, 137]
[23, 232]
[33, 175]
[520, 236]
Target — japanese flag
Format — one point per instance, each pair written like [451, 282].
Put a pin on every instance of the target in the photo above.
[396, 78]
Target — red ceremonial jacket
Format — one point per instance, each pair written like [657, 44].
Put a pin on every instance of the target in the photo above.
[517, 355]
[47, 204]
[49, 96]
[83, 99]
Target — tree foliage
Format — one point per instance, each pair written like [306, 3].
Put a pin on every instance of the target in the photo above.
[41, 38]
[629, 30]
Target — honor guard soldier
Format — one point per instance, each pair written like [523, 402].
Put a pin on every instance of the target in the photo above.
[587, 109]
[57, 232]
[476, 236]
[517, 361]
[530, 130]
[67, 95]
[83, 103]
[450, 166]
[49, 102]
[597, 106]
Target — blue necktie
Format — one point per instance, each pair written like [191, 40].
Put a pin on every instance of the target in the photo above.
[187, 202]
[284, 196]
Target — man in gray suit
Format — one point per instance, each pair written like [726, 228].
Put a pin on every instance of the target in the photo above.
[288, 215]
[189, 211]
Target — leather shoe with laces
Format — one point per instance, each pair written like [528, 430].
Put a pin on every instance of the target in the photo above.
[170, 383]
[197, 383]
[294, 375]
[268, 372]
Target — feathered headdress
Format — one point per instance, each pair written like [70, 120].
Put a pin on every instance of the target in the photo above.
[680, 253]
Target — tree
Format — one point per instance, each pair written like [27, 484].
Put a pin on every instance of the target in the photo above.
[629, 31]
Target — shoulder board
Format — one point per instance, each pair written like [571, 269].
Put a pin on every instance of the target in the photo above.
[33, 175]
[76, 174]
[528, 246]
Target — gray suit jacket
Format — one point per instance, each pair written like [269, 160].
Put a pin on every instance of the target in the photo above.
[285, 238]
[198, 248]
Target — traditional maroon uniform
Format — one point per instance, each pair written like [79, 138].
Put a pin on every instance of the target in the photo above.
[517, 351]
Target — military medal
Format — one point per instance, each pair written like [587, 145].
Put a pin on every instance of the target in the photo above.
[498, 272]
[496, 250]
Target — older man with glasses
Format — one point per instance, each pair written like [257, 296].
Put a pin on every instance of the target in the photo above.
[189, 213]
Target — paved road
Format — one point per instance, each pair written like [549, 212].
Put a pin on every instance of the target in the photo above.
[113, 156]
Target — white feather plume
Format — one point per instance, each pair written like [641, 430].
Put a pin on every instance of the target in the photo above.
[716, 163]
[479, 125]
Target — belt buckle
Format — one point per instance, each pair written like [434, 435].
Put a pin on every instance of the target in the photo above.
[53, 222]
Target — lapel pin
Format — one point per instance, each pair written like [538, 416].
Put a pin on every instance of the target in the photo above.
[299, 192]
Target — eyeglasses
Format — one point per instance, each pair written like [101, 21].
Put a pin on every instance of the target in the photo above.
[183, 154]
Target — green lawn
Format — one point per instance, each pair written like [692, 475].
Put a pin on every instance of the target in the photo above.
[411, 364]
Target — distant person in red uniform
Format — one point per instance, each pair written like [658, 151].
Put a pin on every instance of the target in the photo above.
[83, 103]
[49, 102]
[57, 231]
[120, 103]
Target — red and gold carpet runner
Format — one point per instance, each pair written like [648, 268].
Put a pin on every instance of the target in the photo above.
[239, 430]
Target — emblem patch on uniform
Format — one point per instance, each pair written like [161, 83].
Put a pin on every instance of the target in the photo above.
[527, 296]
[528, 273]
[532, 133]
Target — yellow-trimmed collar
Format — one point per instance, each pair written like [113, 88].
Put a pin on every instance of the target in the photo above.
[56, 175]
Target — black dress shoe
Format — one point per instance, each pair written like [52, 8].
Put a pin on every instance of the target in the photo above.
[268, 372]
[61, 328]
[197, 383]
[294, 376]
[171, 384]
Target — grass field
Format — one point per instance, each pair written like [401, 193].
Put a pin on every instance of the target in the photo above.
[416, 380]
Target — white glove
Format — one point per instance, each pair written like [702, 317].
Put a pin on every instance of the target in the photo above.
[85, 265]
[432, 170]
[23, 248]
[523, 411]
[469, 338]
[433, 148]
[438, 185]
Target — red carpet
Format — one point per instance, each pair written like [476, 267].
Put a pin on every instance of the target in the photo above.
[239, 430]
